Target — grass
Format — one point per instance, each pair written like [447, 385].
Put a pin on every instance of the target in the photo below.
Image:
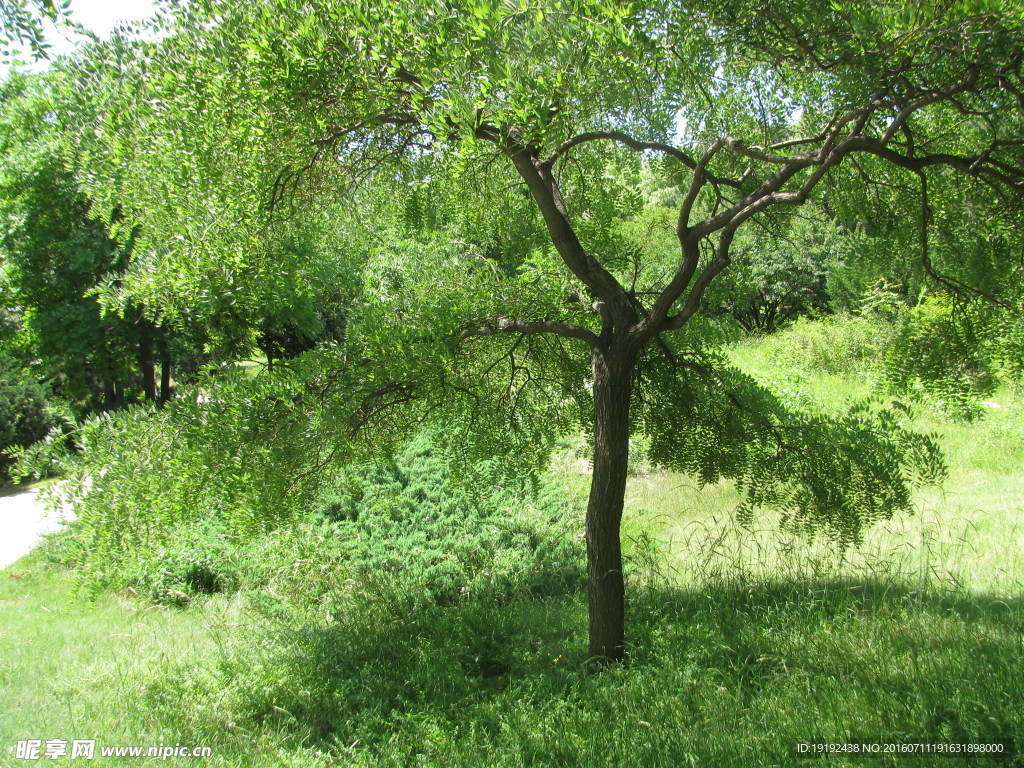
[743, 643]
[70, 669]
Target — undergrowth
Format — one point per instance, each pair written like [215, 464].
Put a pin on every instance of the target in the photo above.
[927, 354]
[737, 655]
[428, 612]
[425, 518]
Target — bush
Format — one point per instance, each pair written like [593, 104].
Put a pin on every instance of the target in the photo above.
[934, 358]
[449, 529]
[199, 560]
[929, 354]
[237, 458]
[837, 344]
[431, 523]
[24, 418]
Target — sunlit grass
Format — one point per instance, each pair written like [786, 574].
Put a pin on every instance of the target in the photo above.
[71, 669]
[743, 642]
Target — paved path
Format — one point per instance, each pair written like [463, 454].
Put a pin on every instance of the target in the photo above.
[23, 521]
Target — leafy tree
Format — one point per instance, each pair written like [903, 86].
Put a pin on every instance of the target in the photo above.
[24, 417]
[295, 319]
[21, 23]
[243, 109]
[778, 273]
[57, 256]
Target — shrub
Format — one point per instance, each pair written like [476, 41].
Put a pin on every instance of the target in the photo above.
[935, 359]
[183, 501]
[837, 344]
[449, 528]
[24, 418]
[199, 560]
[232, 458]
[930, 354]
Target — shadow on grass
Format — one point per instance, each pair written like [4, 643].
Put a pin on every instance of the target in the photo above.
[727, 674]
[12, 489]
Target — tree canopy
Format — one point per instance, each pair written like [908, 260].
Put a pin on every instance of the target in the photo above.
[490, 153]
[21, 24]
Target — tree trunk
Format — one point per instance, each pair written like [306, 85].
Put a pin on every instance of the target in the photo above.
[606, 590]
[109, 396]
[148, 368]
[165, 379]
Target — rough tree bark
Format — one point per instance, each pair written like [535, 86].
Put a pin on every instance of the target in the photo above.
[165, 380]
[109, 395]
[613, 380]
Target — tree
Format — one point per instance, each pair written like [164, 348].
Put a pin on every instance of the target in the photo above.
[239, 111]
[24, 418]
[56, 257]
[21, 23]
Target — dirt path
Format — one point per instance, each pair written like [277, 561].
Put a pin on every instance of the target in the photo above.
[23, 522]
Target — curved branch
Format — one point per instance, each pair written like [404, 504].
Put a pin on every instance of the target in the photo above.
[977, 165]
[771, 192]
[929, 98]
[700, 285]
[956, 286]
[546, 193]
[769, 187]
[758, 153]
[623, 138]
[699, 180]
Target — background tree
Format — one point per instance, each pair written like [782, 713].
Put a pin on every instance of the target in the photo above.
[239, 111]
[24, 417]
[57, 258]
[778, 272]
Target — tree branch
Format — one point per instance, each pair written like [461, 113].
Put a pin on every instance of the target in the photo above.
[546, 193]
[699, 180]
[508, 325]
[640, 146]
[929, 98]
[700, 285]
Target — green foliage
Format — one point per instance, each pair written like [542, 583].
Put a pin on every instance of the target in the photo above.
[453, 530]
[24, 415]
[205, 144]
[744, 642]
[837, 344]
[195, 560]
[309, 71]
[1002, 334]
[22, 24]
[443, 529]
[939, 354]
[58, 258]
[52, 456]
[935, 357]
[839, 474]
[779, 272]
[945, 355]
[415, 101]
[233, 455]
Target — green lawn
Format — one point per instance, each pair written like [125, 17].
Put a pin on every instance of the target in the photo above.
[744, 643]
